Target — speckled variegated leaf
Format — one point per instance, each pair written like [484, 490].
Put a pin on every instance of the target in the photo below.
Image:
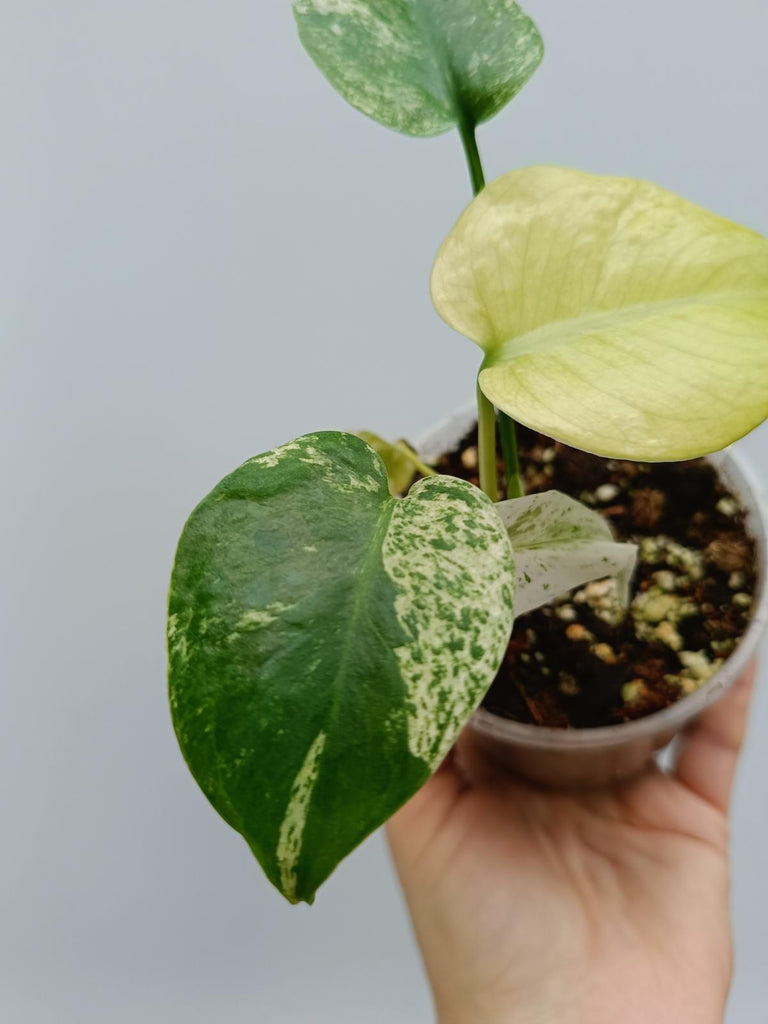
[614, 315]
[327, 642]
[560, 544]
[401, 462]
[422, 66]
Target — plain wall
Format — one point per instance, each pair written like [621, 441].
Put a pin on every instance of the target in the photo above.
[204, 253]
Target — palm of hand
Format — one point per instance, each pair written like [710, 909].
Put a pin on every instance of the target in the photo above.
[601, 906]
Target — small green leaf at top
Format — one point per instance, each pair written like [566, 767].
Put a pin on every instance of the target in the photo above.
[613, 315]
[327, 642]
[560, 544]
[422, 66]
[401, 461]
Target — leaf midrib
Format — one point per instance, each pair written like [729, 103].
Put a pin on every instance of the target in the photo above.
[559, 332]
[367, 570]
[422, 16]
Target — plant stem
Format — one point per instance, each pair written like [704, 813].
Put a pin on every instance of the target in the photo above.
[486, 446]
[507, 427]
[472, 153]
[508, 436]
[486, 415]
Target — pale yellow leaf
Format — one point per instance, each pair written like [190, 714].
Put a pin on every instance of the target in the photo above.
[614, 315]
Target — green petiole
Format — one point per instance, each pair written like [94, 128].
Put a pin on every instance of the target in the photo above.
[486, 444]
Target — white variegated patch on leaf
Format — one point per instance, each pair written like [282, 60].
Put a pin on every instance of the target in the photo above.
[613, 315]
[327, 642]
[422, 66]
[560, 544]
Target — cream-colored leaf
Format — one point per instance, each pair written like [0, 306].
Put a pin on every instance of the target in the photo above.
[614, 315]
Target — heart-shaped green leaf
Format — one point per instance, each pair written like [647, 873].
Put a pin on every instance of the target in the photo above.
[422, 66]
[327, 642]
[560, 544]
[614, 315]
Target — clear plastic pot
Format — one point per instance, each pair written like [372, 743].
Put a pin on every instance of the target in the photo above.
[568, 758]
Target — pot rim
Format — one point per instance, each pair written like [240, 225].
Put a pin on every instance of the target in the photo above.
[674, 717]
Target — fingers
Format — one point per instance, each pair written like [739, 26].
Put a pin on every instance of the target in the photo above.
[710, 750]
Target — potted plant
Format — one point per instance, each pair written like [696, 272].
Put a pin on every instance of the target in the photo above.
[328, 638]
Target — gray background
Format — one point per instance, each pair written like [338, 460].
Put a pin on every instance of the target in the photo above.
[205, 252]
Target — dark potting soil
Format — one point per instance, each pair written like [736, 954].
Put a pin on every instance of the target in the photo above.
[581, 661]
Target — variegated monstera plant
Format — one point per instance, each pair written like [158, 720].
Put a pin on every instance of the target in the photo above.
[329, 639]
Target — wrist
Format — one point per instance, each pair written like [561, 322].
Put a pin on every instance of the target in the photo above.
[459, 1014]
[519, 1007]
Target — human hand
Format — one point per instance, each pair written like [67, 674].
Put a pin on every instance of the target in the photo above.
[581, 908]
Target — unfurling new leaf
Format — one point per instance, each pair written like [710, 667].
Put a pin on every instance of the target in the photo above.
[401, 461]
